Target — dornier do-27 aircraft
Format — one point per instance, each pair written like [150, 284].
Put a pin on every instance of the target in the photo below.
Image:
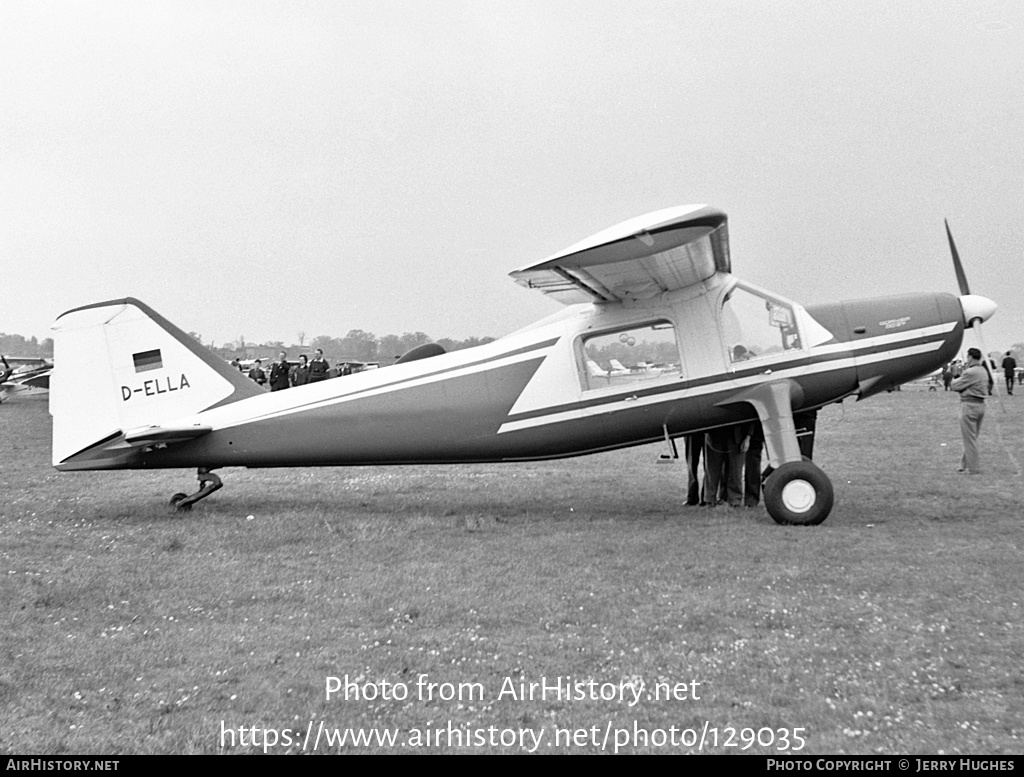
[654, 290]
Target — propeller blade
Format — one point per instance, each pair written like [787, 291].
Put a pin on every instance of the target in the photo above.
[961, 278]
[965, 290]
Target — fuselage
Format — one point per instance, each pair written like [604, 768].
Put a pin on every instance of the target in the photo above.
[535, 394]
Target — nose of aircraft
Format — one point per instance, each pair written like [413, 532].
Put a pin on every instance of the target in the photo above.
[976, 308]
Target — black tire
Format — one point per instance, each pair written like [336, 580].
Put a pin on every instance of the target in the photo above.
[176, 500]
[798, 493]
[769, 469]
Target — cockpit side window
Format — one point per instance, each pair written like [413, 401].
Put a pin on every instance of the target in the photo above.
[755, 325]
[629, 356]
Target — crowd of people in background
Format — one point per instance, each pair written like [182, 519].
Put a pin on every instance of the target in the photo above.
[285, 374]
[1012, 374]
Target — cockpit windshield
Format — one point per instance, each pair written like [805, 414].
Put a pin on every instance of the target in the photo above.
[755, 325]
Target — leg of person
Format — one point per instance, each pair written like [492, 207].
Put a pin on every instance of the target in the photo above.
[693, 445]
[734, 477]
[971, 414]
[714, 466]
[965, 436]
[752, 467]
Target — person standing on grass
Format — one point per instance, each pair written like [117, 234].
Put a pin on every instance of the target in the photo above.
[300, 375]
[318, 367]
[973, 387]
[694, 447]
[947, 376]
[279, 373]
[752, 465]
[1009, 371]
[257, 374]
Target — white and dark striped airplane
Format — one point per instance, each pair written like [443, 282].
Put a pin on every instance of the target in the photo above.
[654, 290]
[24, 374]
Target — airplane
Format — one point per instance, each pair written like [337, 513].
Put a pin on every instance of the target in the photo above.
[22, 361]
[640, 368]
[617, 372]
[31, 373]
[619, 367]
[663, 280]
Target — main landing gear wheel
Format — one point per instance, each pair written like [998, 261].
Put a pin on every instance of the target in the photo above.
[798, 493]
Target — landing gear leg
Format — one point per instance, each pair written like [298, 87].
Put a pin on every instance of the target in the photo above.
[208, 483]
[797, 492]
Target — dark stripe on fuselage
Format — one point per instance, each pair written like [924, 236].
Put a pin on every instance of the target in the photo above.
[631, 425]
[355, 393]
[456, 419]
[726, 378]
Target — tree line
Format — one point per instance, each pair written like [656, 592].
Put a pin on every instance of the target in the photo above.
[16, 345]
[367, 347]
[358, 345]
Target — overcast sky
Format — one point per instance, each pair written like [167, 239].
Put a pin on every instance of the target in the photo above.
[266, 168]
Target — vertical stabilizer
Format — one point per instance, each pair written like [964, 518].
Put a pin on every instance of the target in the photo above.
[119, 365]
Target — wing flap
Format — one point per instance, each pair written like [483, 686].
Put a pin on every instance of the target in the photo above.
[638, 259]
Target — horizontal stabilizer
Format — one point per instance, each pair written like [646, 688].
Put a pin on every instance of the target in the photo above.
[151, 435]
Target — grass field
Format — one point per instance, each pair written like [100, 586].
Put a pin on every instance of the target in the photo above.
[894, 627]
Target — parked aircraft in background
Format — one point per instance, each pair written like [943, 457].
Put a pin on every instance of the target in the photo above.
[658, 287]
[24, 374]
[25, 361]
[617, 373]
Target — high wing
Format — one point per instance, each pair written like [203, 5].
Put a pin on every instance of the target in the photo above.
[638, 259]
[18, 361]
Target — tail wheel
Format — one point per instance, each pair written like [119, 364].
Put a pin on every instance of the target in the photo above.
[798, 493]
[176, 503]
